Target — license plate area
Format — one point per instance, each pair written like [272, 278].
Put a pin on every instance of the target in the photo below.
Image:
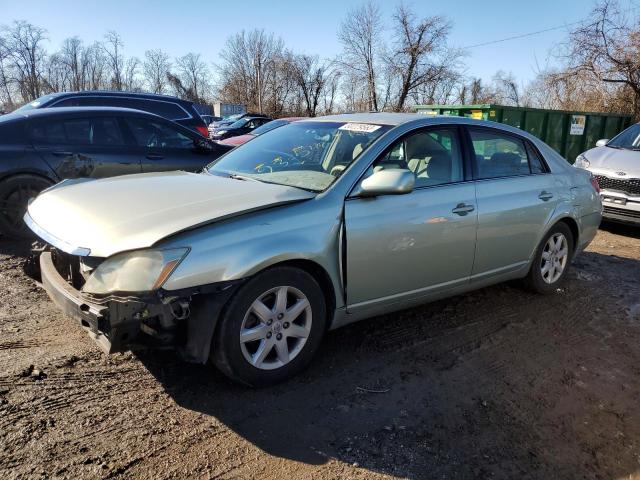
[615, 200]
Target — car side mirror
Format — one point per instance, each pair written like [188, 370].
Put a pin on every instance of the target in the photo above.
[392, 181]
[602, 142]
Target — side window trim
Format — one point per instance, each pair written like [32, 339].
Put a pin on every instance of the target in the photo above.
[526, 143]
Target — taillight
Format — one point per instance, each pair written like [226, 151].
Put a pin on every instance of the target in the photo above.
[202, 130]
[594, 182]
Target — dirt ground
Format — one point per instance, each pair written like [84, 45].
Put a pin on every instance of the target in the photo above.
[500, 383]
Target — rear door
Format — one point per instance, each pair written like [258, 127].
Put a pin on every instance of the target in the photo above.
[516, 197]
[86, 146]
[163, 146]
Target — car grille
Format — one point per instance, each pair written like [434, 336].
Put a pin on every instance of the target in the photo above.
[630, 185]
[623, 212]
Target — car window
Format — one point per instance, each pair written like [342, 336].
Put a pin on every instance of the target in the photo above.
[169, 110]
[535, 160]
[102, 131]
[432, 155]
[499, 155]
[148, 133]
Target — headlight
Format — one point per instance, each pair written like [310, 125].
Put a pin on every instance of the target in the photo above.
[220, 132]
[137, 271]
[581, 162]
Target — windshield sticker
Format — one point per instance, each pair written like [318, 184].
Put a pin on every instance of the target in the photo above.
[359, 127]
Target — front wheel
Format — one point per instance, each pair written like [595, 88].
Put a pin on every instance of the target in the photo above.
[271, 328]
[552, 260]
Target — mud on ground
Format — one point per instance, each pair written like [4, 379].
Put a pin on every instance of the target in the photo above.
[500, 383]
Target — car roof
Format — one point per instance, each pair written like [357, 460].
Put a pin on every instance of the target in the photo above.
[380, 118]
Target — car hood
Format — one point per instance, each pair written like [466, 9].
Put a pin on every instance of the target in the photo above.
[614, 159]
[111, 215]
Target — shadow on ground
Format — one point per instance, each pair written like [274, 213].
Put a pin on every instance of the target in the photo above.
[496, 383]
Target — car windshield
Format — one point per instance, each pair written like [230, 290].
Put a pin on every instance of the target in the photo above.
[267, 127]
[307, 155]
[232, 118]
[628, 139]
[36, 103]
[239, 124]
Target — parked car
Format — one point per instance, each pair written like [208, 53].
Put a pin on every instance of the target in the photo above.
[318, 224]
[615, 164]
[234, 118]
[171, 108]
[240, 127]
[267, 127]
[209, 119]
[41, 147]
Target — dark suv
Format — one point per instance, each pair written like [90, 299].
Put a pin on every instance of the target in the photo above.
[171, 108]
[39, 148]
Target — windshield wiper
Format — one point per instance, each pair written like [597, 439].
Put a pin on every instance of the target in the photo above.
[237, 176]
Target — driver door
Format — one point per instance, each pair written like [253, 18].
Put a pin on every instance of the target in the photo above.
[402, 248]
[163, 147]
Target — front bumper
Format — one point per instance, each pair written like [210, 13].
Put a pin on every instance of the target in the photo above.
[184, 319]
[111, 324]
[620, 207]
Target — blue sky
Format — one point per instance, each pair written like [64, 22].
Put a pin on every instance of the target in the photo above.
[188, 25]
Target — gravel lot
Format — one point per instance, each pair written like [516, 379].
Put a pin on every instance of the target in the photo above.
[500, 383]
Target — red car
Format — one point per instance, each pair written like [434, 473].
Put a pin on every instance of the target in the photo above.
[240, 139]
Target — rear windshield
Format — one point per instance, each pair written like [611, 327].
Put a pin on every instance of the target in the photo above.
[39, 102]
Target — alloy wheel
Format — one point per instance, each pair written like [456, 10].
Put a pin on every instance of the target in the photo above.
[275, 328]
[554, 258]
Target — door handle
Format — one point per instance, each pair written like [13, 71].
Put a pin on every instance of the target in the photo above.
[544, 195]
[62, 154]
[155, 156]
[462, 209]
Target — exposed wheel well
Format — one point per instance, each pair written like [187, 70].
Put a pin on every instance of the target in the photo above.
[575, 231]
[321, 276]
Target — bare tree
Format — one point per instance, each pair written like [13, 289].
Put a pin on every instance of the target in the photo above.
[419, 55]
[506, 89]
[26, 57]
[156, 65]
[606, 49]
[193, 73]
[254, 71]
[72, 56]
[311, 76]
[131, 77]
[97, 67]
[360, 36]
[113, 50]
[5, 87]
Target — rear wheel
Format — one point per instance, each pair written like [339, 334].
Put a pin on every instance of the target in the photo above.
[271, 328]
[15, 193]
[552, 260]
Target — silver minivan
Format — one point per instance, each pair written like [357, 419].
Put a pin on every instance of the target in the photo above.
[306, 228]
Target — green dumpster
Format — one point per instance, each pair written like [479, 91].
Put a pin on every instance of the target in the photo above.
[569, 133]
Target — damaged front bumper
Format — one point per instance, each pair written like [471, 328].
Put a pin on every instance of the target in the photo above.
[184, 320]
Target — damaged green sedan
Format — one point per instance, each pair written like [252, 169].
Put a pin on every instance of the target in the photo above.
[307, 228]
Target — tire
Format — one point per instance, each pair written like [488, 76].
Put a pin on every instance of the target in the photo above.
[15, 193]
[543, 276]
[274, 330]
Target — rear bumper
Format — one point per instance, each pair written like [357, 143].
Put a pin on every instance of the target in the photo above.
[112, 325]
